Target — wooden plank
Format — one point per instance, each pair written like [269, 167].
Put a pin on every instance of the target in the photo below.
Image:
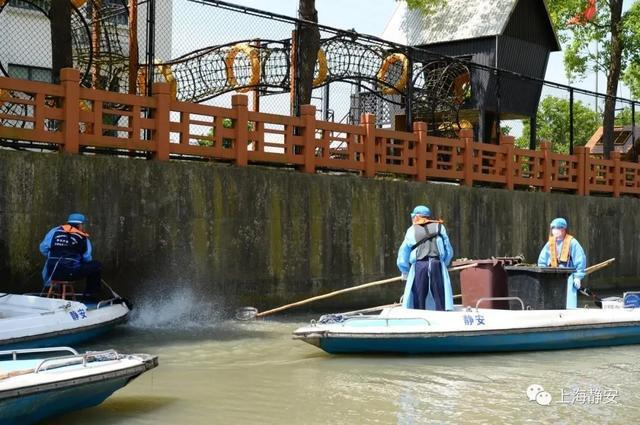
[118, 143]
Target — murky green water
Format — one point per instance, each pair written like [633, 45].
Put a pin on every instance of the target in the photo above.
[227, 372]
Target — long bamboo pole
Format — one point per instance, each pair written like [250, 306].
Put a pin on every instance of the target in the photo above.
[346, 290]
[599, 266]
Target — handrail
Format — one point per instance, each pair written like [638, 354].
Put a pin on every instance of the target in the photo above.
[14, 353]
[84, 357]
[178, 128]
[108, 302]
[499, 299]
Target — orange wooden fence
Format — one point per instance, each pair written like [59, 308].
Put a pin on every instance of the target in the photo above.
[74, 117]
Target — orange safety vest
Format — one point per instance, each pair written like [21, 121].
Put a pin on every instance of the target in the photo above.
[564, 255]
[70, 229]
[423, 220]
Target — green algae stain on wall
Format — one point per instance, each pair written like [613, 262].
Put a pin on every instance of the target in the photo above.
[218, 219]
[273, 233]
[316, 239]
[276, 237]
[199, 224]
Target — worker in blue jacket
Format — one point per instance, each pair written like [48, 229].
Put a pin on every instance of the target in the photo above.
[423, 259]
[69, 255]
[563, 250]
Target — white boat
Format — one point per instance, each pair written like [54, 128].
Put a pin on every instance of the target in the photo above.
[32, 390]
[408, 331]
[28, 321]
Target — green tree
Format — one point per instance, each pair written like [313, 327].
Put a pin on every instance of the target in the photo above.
[624, 117]
[631, 78]
[207, 140]
[553, 124]
[426, 5]
[618, 37]
[617, 34]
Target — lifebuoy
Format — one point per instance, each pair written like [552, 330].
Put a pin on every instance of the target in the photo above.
[323, 69]
[77, 3]
[84, 106]
[142, 81]
[3, 95]
[167, 74]
[400, 85]
[254, 58]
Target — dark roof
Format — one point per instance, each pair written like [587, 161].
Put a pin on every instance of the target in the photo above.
[456, 20]
[622, 141]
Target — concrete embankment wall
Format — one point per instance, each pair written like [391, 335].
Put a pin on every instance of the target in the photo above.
[263, 237]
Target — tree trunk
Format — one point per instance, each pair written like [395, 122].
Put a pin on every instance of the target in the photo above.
[308, 45]
[61, 50]
[613, 77]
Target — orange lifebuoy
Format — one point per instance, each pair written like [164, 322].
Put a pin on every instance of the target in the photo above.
[3, 95]
[167, 74]
[323, 69]
[84, 106]
[78, 3]
[254, 58]
[142, 81]
[400, 85]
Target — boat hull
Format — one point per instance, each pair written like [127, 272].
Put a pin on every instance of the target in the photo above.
[407, 331]
[34, 408]
[33, 322]
[69, 337]
[32, 403]
[500, 342]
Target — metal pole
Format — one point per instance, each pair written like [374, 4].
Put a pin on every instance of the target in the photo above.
[571, 136]
[597, 60]
[533, 132]
[633, 132]
[151, 44]
[293, 72]
[325, 101]
[297, 74]
[408, 92]
[256, 90]
[498, 107]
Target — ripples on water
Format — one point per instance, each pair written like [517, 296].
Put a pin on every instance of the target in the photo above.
[215, 371]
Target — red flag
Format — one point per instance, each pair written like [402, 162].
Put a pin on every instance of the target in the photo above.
[586, 15]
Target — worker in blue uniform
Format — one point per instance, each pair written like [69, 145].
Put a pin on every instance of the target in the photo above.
[69, 255]
[423, 259]
[563, 250]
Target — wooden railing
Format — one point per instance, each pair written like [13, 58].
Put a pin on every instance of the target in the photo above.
[74, 117]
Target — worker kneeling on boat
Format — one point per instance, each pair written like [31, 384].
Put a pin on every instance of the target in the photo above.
[68, 251]
[423, 258]
[563, 250]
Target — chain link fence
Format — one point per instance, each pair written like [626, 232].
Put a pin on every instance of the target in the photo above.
[209, 50]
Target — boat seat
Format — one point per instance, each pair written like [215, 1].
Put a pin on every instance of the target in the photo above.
[62, 289]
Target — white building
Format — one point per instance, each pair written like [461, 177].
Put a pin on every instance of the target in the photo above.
[25, 31]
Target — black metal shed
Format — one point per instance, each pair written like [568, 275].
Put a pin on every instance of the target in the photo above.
[512, 35]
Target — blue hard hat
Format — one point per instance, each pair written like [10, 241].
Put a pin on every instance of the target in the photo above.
[76, 218]
[558, 223]
[421, 210]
